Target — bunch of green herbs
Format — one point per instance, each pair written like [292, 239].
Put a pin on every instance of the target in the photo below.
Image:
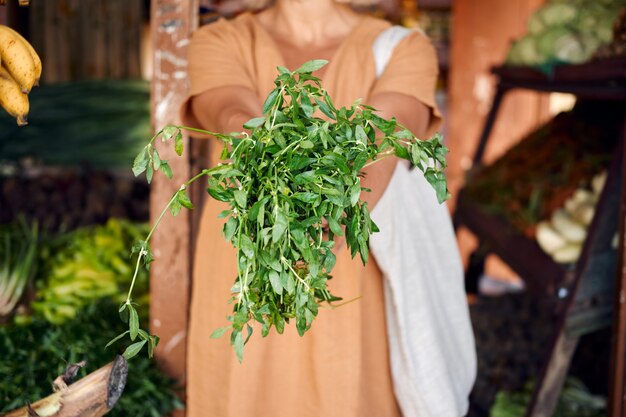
[282, 180]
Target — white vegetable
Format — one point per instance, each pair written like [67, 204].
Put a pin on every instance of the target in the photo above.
[568, 228]
[571, 205]
[582, 196]
[597, 183]
[584, 213]
[567, 254]
[549, 240]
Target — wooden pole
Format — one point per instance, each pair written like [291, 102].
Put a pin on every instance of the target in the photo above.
[172, 22]
[617, 391]
[91, 396]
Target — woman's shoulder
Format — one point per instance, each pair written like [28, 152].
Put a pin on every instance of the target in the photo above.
[240, 26]
[373, 25]
[372, 29]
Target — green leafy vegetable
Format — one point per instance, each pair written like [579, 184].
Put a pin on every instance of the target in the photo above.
[87, 264]
[34, 355]
[18, 252]
[292, 172]
[575, 401]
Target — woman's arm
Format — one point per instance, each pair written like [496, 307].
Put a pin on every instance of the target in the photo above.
[409, 112]
[225, 109]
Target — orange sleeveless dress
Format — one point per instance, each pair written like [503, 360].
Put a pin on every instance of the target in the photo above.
[340, 368]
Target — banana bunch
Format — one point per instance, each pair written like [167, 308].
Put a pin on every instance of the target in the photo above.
[20, 70]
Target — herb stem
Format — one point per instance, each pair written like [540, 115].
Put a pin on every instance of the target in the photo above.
[295, 273]
[142, 251]
[174, 197]
[380, 157]
[334, 306]
[132, 283]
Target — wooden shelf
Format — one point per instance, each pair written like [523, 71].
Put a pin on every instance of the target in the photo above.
[586, 292]
[540, 273]
[601, 79]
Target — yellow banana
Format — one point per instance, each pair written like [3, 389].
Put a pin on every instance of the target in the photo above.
[17, 59]
[12, 99]
[33, 54]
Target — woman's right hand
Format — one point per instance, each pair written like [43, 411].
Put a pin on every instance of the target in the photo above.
[226, 109]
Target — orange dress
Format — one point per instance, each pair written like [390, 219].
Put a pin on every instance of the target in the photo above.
[339, 368]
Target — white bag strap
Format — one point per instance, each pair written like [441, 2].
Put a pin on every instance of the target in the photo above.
[384, 44]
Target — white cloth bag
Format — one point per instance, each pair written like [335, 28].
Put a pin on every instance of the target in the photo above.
[431, 342]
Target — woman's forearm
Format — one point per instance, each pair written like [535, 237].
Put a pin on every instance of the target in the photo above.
[225, 109]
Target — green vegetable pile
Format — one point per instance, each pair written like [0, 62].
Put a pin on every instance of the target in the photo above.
[575, 401]
[87, 264]
[103, 123]
[292, 172]
[34, 355]
[567, 32]
[18, 251]
[77, 277]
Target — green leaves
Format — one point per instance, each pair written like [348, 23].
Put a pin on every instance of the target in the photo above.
[134, 331]
[149, 160]
[133, 322]
[253, 123]
[217, 333]
[133, 349]
[280, 180]
[311, 66]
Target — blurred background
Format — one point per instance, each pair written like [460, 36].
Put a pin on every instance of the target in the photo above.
[533, 93]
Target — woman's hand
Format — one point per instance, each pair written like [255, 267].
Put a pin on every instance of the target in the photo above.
[226, 109]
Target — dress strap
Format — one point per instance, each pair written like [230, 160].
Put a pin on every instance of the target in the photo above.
[384, 45]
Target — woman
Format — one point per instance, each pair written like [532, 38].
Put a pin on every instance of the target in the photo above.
[342, 366]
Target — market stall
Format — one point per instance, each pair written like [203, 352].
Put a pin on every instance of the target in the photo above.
[550, 205]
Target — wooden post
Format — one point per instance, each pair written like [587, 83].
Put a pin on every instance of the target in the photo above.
[616, 406]
[483, 31]
[172, 22]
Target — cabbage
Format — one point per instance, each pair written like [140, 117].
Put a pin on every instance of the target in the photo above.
[547, 41]
[535, 24]
[524, 52]
[555, 14]
[570, 49]
[569, 31]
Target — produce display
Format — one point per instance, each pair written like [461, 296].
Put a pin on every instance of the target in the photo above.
[91, 263]
[566, 32]
[617, 47]
[18, 250]
[34, 355]
[563, 235]
[282, 180]
[98, 123]
[575, 401]
[535, 177]
[75, 313]
[20, 70]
